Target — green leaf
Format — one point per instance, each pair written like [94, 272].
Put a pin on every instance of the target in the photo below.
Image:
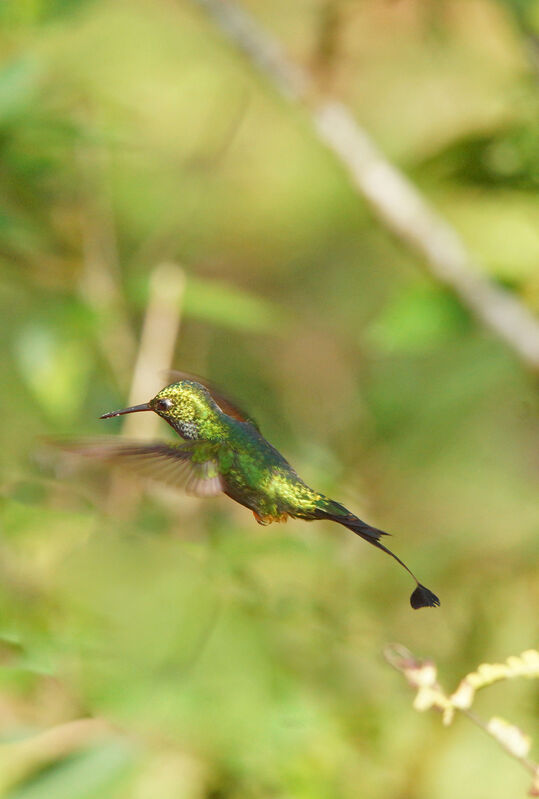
[86, 775]
[55, 370]
[18, 83]
[417, 320]
[229, 306]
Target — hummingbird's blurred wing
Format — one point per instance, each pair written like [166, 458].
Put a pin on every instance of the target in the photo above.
[227, 405]
[165, 463]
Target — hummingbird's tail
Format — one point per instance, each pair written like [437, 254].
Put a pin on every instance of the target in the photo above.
[422, 597]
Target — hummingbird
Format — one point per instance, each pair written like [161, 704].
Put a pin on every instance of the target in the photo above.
[224, 452]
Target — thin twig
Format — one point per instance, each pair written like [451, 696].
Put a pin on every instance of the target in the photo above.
[392, 196]
[529, 764]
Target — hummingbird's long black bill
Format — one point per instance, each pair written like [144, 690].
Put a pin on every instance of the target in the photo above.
[134, 409]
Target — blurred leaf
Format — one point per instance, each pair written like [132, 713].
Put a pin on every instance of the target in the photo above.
[88, 774]
[55, 370]
[507, 157]
[419, 319]
[502, 229]
[19, 81]
[21, 12]
[223, 304]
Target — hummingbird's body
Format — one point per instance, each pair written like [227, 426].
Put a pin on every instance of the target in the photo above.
[225, 452]
[256, 475]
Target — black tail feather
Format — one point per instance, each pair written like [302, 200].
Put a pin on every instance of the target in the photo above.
[422, 597]
[343, 516]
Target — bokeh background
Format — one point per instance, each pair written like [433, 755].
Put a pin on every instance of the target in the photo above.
[212, 657]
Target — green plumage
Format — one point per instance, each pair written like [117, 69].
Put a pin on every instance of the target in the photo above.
[225, 452]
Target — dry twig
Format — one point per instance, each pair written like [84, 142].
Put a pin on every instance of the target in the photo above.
[422, 676]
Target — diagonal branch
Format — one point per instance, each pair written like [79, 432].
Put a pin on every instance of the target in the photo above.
[394, 198]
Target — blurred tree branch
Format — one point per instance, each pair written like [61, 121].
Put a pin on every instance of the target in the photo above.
[391, 195]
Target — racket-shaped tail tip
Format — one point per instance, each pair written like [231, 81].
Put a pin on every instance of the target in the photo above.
[423, 598]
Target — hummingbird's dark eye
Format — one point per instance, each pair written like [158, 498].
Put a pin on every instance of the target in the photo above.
[163, 404]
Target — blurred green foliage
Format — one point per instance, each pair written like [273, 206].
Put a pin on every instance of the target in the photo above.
[229, 660]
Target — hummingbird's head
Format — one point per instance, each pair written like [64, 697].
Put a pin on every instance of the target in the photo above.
[186, 405]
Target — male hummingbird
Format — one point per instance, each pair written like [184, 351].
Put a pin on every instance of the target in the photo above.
[225, 452]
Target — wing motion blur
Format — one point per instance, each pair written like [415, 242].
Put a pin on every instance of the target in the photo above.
[165, 463]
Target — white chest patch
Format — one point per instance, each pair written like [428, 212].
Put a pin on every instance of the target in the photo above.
[188, 430]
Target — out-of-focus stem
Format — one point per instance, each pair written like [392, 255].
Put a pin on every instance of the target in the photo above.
[154, 357]
[157, 342]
